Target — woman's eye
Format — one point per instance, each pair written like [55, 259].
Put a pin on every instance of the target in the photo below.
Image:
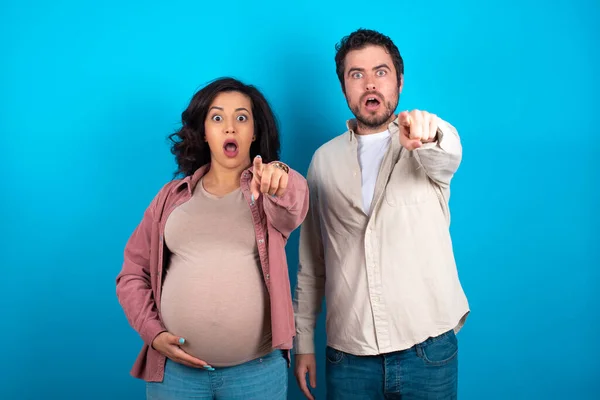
[217, 118]
[242, 118]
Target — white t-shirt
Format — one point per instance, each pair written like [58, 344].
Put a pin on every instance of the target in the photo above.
[371, 149]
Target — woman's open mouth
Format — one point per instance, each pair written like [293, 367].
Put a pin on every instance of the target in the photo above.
[230, 148]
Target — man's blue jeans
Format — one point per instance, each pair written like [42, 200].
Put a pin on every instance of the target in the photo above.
[428, 370]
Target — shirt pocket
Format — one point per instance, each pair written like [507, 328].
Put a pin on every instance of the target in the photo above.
[408, 184]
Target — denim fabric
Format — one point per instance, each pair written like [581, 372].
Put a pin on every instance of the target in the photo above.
[428, 370]
[264, 378]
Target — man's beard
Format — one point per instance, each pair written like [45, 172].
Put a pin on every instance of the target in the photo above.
[375, 121]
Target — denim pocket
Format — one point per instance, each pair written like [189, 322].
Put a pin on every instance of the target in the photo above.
[439, 350]
[333, 356]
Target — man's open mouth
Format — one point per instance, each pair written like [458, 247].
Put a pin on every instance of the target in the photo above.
[372, 103]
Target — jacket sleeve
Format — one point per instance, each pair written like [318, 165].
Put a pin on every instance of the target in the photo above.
[134, 289]
[287, 212]
[310, 287]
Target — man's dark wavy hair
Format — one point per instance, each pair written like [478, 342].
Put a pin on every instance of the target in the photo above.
[188, 144]
[360, 39]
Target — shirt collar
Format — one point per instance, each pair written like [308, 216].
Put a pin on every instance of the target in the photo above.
[351, 126]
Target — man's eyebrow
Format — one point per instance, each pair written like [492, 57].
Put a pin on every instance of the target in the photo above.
[358, 69]
[355, 69]
[381, 66]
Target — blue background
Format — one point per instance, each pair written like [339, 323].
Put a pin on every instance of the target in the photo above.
[89, 93]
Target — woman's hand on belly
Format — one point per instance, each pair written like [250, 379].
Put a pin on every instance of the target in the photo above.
[169, 346]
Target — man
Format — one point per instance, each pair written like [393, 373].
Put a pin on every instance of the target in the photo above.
[376, 242]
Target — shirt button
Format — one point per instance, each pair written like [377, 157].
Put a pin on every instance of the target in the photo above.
[267, 276]
[261, 241]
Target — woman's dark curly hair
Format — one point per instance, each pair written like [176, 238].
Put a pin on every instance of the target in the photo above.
[188, 144]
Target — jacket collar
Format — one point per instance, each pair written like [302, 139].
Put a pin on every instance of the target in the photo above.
[351, 126]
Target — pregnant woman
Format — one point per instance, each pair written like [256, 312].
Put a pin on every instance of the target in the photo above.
[204, 279]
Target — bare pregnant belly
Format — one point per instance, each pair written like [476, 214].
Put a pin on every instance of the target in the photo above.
[224, 315]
